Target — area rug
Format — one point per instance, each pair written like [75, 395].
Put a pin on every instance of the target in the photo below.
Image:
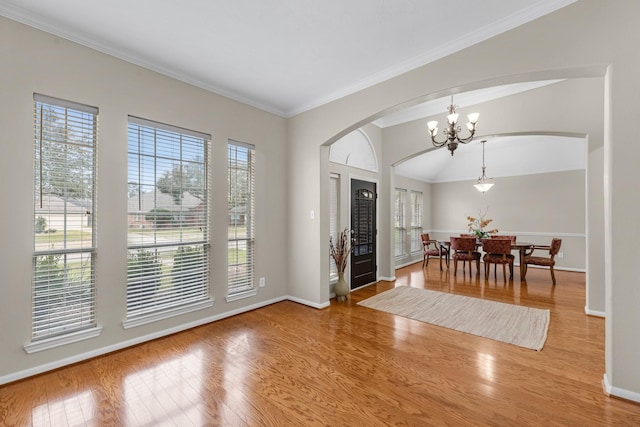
[514, 324]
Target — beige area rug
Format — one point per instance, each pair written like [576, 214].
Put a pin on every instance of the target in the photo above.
[522, 326]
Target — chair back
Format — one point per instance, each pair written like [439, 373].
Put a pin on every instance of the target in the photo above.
[425, 237]
[497, 246]
[512, 238]
[463, 244]
[555, 246]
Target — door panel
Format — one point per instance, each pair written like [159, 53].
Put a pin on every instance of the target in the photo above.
[363, 224]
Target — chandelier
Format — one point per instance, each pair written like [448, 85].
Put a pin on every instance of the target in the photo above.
[452, 138]
[484, 183]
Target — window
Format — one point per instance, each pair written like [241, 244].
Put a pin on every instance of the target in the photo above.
[240, 196]
[400, 231]
[168, 227]
[64, 251]
[416, 221]
[334, 191]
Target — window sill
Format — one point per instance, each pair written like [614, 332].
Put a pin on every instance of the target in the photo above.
[49, 343]
[166, 314]
[241, 295]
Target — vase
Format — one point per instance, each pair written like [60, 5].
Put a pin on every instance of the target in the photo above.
[341, 288]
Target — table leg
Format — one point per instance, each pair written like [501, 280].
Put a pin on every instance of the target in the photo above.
[522, 252]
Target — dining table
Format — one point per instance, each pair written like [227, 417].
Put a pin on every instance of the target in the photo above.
[521, 247]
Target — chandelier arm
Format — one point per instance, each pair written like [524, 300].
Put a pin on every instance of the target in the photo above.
[465, 140]
[438, 143]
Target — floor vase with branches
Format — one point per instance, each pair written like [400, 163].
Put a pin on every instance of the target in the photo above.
[340, 251]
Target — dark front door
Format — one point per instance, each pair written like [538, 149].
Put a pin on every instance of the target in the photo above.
[363, 224]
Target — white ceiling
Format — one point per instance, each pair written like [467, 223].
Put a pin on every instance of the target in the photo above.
[504, 156]
[283, 56]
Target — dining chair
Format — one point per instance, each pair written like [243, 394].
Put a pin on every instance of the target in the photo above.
[433, 249]
[497, 251]
[464, 249]
[547, 261]
[502, 236]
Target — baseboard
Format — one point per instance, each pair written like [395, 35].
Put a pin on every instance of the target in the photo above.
[387, 279]
[309, 303]
[138, 340]
[406, 263]
[594, 313]
[609, 390]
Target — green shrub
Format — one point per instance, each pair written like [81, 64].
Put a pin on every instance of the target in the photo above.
[188, 267]
[41, 224]
[146, 282]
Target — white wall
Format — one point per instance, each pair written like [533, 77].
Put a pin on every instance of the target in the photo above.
[589, 38]
[34, 61]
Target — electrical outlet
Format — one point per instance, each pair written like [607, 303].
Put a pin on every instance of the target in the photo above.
[560, 255]
[262, 282]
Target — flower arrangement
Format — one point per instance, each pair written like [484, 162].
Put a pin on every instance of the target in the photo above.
[477, 225]
[341, 249]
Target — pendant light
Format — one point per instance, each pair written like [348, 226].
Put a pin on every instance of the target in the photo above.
[484, 184]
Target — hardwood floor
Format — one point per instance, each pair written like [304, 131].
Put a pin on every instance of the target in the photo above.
[291, 365]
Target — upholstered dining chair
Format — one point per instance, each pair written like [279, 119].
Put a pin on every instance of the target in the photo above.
[502, 236]
[464, 249]
[432, 249]
[497, 251]
[547, 261]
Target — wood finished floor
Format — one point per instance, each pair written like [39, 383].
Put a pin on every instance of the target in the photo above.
[291, 365]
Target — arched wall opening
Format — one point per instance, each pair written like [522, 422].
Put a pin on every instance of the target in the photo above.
[502, 117]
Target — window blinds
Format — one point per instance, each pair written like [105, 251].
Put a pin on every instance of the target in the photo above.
[168, 228]
[63, 289]
[334, 188]
[241, 167]
[400, 195]
[416, 221]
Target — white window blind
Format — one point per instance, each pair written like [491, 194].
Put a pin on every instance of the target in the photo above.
[334, 191]
[400, 231]
[63, 288]
[416, 221]
[168, 227]
[241, 169]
